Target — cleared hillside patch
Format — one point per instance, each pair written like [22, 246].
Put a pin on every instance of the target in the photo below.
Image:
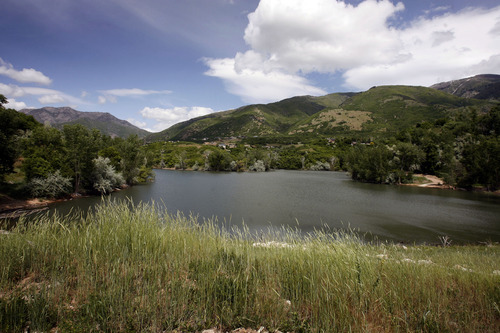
[330, 119]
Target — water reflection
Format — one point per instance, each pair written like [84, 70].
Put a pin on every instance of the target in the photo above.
[311, 200]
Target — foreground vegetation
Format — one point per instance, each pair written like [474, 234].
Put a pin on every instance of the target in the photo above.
[120, 269]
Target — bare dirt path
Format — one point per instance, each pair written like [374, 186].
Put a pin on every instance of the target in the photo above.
[432, 181]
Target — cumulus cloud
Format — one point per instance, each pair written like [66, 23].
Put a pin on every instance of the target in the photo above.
[255, 85]
[112, 94]
[13, 104]
[168, 117]
[323, 35]
[26, 75]
[441, 48]
[137, 123]
[289, 39]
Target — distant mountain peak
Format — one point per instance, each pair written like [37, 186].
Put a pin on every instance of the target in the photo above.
[482, 86]
[103, 121]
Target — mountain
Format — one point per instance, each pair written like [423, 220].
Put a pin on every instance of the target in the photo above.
[251, 120]
[379, 110]
[484, 86]
[103, 121]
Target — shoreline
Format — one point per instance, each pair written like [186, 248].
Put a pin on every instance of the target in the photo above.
[431, 182]
[14, 208]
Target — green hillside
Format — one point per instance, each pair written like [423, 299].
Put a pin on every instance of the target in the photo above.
[384, 109]
[396, 107]
[109, 128]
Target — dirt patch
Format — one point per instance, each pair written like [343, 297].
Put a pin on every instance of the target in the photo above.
[13, 208]
[430, 181]
[352, 119]
[8, 204]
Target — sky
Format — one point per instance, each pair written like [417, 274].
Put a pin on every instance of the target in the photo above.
[159, 62]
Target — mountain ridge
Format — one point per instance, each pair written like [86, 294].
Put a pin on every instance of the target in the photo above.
[372, 112]
[103, 121]
[378, 109]
[482, 86]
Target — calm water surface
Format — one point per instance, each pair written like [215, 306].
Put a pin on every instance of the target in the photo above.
[312, 200]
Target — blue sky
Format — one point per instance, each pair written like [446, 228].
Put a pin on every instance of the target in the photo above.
[159, 62]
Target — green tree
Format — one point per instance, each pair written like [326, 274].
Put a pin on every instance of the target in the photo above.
[219, 160]
[135, 166]
[13, 124]
[289, 158]
[112, 153]
[181, 158]
[409, 156]
[43, 153]
[131, 159]
[370, 164]
[82, 146]
[481, 161]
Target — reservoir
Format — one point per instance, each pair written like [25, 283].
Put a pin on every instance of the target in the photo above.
[310, 200]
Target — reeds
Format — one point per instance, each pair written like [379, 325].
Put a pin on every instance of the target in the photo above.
[133, 267]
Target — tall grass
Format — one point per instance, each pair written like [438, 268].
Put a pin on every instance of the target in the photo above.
[121, 269]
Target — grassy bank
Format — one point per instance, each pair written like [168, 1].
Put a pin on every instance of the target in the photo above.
[139, 270]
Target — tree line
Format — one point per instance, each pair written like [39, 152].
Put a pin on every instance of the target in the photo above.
[463, 149]
[72, 160]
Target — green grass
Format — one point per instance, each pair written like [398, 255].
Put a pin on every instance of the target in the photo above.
[121, 270]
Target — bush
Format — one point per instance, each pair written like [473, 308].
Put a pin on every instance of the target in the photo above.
[105, 177]
[53, 186]
[258, 166]
[320, 166]
[219, 160]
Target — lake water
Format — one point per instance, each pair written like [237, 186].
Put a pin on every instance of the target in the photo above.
[310, 200]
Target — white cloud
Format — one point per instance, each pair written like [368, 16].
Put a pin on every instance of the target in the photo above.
[323, 35]
[442, 48]
[259, 86]
[137, 123]
[112, 94]
[291, 38]
[51, 99]
[101, 99]
[168, 117]
[26, 75]
[13, 104]
[48, 96]
[133, 92]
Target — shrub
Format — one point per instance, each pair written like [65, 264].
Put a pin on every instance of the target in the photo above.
[258, 166]
[105, 177]
[320, 166]
[53, 186]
